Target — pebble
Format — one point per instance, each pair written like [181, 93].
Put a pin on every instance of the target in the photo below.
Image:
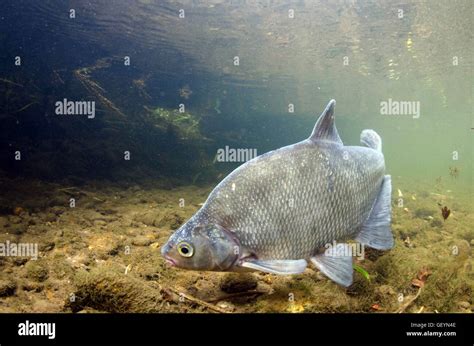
[238, 283]
[386, 290]
[7, 288]
[204, 288]
[141, 241]
[226, 305]
[36, 271]
[58, 210]
[155, 245]
[148, 218]
[4, 222]
[48, 246]
[99, 223]
[50, 217]
[19, 261]
[15, 219]
[18, 228]
[32, 286]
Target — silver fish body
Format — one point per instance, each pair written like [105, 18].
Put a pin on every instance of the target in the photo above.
[282, 208]
[290, 202]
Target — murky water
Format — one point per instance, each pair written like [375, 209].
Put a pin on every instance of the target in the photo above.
[301, 53]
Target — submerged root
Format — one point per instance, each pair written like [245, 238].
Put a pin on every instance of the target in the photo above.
[251, 293]
[4, 80]
[83, 75]
[25, 107]
[408, 302]
[197, 301]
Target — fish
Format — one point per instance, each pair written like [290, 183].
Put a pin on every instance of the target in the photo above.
[292, 206]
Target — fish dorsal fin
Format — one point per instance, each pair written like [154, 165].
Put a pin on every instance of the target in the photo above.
[325, 128]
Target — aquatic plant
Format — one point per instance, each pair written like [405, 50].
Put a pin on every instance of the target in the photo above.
[184, 124]
[83, 74]
[424, 212]
[362, 271]
[454, 172]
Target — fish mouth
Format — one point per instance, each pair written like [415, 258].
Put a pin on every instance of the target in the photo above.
[170, 261]
[164, 252]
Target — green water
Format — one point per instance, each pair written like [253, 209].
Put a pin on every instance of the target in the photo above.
[361, 54]
[298, 53]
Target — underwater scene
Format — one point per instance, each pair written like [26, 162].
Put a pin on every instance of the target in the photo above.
[236, 156]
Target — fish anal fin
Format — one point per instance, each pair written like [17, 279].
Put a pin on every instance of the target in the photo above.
[336, 264]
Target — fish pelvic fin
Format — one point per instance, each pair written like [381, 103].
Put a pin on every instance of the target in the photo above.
[371, 139]
[281, 267]
[325, 128]
[376, 232]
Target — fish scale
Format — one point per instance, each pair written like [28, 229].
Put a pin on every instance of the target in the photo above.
[258, 213]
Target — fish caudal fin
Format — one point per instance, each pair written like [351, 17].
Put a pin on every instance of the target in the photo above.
[376, 231]
[281, 267]
[336, 264]
[371, 139]
[325, 128]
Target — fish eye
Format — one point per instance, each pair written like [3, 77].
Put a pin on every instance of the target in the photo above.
[185, 249]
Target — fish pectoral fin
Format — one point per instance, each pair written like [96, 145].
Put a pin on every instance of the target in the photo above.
[282, 267]
[337, 264]
[376, 231]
